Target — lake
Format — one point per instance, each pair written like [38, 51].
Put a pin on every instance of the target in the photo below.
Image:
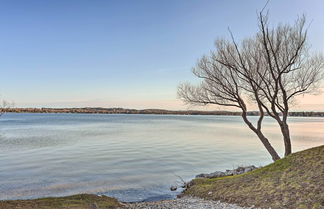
[130, 157]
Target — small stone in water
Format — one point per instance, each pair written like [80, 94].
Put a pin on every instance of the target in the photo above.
[173, 188]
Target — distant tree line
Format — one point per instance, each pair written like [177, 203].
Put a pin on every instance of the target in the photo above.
[95, 110]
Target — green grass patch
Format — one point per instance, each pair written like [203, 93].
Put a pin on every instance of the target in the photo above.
[296, 181]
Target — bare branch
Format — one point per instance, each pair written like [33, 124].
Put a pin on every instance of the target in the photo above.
[269, 69]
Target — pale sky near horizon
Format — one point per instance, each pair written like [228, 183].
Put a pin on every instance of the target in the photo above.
[130, 54]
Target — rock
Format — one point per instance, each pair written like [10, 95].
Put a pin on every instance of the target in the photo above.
[189, 184]
[185, 185]
[217, 174]
[249, 168]
[229, 173]
[202, 175]
[173, 188]
[211, 175]
[94, 206]
[237, 171]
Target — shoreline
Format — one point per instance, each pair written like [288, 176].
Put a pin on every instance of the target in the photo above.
[91, 201]
[263, 187]
[161, 201]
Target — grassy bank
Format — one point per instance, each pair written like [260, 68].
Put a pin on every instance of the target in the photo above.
[296, 181]
[82, 201]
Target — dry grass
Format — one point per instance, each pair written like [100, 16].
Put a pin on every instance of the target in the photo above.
[81, 201]
[296, 181]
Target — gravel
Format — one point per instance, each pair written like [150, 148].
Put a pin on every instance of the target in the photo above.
[183, 203]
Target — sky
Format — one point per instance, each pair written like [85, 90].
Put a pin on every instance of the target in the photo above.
[131, 54]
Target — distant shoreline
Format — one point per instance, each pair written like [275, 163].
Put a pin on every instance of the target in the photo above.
[99, 110]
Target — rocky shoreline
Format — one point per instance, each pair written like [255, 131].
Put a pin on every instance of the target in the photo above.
[184, 203]
[237, 171]
[194, 202]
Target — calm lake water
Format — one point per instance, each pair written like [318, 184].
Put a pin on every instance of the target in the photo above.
[131, 157]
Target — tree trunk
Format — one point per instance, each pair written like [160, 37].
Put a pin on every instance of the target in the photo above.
[286, 137]
[262, 138]
[268, 146]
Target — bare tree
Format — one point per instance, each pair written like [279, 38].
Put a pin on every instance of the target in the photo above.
[4, 105]
[270, 69]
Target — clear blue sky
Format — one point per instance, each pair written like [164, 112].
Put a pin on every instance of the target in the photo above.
[67, 53]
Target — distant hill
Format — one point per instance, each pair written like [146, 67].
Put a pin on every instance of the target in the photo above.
[100, 110]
